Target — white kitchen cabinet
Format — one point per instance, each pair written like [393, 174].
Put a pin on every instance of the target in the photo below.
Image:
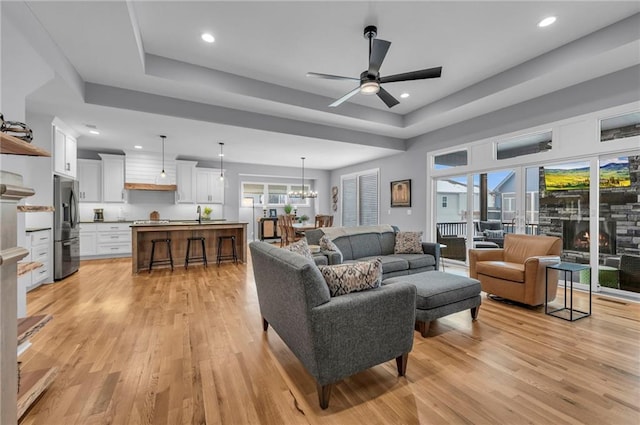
[112, 178]
[88, 239]
[37, 242]
[64, 153]
[186, 181]
[209, 187]
[113, 239]
[90, 179]
[105, 240]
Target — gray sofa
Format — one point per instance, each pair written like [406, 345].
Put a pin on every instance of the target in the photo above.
[333, 337]
[363, 243]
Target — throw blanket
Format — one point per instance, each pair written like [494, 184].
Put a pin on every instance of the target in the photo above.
[338, 232]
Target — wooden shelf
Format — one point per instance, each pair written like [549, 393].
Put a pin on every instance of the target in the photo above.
[35, 208]
[30, 325]
[24, 268]
[149, 186]
[32, 385]
[14, 146]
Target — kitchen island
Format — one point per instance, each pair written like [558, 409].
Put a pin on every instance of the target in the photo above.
[179, 232]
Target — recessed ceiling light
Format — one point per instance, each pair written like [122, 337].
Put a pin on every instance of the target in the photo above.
[138, 147]
[547, 21]
[94, 132]
[404, 95]
[208, 37]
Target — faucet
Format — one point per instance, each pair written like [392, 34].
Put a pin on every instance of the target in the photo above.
[199, 215]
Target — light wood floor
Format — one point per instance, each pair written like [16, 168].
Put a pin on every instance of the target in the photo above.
[188, 348]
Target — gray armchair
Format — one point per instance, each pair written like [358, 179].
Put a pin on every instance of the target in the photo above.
[333, 337]
[492, 232]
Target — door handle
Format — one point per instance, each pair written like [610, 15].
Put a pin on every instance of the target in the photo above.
[66, 244]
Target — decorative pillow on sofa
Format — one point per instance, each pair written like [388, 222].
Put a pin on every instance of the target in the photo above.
[301, 247]
[327, 244]
[408, 243]
[494, 234]
[352, 277]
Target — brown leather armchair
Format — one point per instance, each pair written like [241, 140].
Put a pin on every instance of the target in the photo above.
[517, 271]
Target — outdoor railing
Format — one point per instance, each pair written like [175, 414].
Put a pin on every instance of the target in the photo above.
[459, 228]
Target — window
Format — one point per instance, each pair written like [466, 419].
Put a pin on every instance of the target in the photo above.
[360, 199]
[444, 202]
[277, 194]
[508, 206]
[620, 127]
[451, 159]
[524, 145]
[255, 191]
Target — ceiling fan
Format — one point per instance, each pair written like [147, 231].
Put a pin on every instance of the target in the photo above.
[370, 79]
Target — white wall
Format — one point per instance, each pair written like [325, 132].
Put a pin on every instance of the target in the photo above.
[612, 90]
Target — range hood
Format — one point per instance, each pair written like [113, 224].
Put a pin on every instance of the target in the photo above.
[142, 171]
[151, 186]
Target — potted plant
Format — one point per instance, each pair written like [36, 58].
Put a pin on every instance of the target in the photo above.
[304, 218]
[288, 208]
[207, 213]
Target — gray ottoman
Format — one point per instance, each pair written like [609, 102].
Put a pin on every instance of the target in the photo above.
[440, 294]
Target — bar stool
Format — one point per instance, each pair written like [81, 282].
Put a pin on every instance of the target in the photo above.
[203, 257]
[233, 256]
[164, 260]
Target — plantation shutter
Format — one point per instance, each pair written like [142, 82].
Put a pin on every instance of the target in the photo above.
[368, 197]
[349, 202]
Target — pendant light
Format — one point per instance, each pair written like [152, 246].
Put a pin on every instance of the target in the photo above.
[163, 174]
[302, 194]
[221, 155]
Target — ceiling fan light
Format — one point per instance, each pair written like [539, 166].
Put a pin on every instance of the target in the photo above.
[369, 87]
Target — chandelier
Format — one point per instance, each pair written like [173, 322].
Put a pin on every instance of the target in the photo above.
[301, 193]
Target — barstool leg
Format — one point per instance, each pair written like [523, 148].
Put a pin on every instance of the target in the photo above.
[235, 252]
[170, 255]
[204, 252]
[219, 251]
[186, 258]
[153, 248]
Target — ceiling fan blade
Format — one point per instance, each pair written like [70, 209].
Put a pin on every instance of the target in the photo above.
[330, 77]
[414, 75]
[386, 97]
[345, 97]
[378, 52]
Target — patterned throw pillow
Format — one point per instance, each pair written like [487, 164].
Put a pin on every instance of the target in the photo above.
[408, 243]
[327, 244]
[301, 247]
[494, 234]
[352, 277]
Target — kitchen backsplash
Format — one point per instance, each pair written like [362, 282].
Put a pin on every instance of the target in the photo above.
[141, 211]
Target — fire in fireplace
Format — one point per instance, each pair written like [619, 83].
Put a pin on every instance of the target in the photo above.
[576, 236]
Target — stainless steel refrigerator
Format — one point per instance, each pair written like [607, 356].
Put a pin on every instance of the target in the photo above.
[66, 227]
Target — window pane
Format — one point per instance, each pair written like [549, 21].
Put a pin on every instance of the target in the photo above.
[524, 145]
[620, 127]
[368, 196]
[277, 194]
[349, 202]
[449, 160]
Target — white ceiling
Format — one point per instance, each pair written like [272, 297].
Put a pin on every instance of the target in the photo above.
[249, 89]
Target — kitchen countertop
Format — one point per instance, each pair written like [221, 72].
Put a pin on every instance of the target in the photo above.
[106, 221]
[189, 223]
[36, 229]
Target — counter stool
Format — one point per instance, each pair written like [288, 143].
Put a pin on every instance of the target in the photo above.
[164, 260]
[188, 258]
[233, 256]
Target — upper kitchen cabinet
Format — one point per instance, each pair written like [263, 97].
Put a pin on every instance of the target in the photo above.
[112, 178]
[90, 179]
[209, 186]
[64, 151]
[186, 181]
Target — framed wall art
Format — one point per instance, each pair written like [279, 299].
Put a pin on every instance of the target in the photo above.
[401, 193]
